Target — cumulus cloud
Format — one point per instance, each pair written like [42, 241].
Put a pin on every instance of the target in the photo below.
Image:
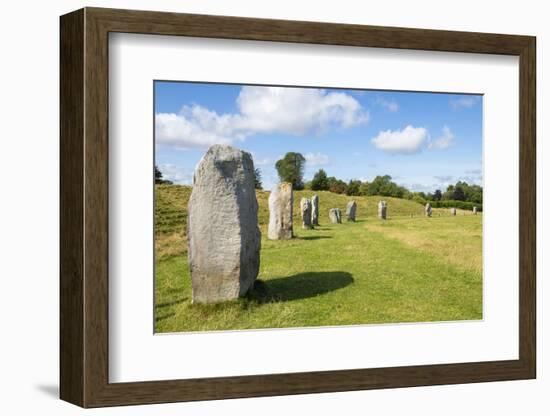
[462, 102]
[473, 172]
[263, 161]
[296, 111]
[389, 105]
[445, 141]
[316, 159]
[407, 141]
[418, 187]
[176, 174]
[444, 179]
[472, 179]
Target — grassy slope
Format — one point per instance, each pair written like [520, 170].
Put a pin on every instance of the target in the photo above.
[171, 212]
[401, 270]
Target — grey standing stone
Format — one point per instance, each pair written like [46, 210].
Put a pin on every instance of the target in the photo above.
[305, 209]
[315, 210]
[428, 210]
[474, 209]
[335, 216]
[223, 234]
[351, 209]
[280, 212]
[382, 210]
[453, 211]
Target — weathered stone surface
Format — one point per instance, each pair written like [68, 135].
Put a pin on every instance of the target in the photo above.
[382, 210]
[315, 210]
[305, 208]
[223, 234]
[428, 210]
[453, 211]
[474, 209]
[280, 212]
[351, 209]
[335, 216]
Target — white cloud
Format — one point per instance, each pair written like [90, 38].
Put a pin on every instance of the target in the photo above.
[263, 162]
[389, 105]
[316, 159]
[296, 111]
[407, 141]
[444, 141]
[418, 187]
[444, 179]
[472, 179]
[462, 102]
[176, 174]
[473, 172]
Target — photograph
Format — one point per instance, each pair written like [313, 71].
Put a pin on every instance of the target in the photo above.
[296, 206]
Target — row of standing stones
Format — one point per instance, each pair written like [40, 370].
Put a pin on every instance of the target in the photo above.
[224, 244]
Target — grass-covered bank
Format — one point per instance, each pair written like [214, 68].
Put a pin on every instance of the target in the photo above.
[406, 269]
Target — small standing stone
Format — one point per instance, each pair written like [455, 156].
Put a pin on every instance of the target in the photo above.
[474, 209]
[335, 216]
[315, 210]
[453, 212]
[305, 208]
[428, 210]
[382, 210]
[351, 208]
[280, 212]
[222, 230]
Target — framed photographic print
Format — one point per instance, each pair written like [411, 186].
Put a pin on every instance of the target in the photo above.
[255, 207]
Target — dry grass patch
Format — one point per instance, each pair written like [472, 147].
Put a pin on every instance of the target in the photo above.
[457, 240]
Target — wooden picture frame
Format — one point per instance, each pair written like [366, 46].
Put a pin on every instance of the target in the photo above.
[84, 207]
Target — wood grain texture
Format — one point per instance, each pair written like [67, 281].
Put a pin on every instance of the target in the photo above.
[71, 208]
[84, 207]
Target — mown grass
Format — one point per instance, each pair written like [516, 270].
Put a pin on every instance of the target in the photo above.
[405, 269]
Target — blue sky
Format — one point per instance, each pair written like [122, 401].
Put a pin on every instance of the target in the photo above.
[425, 141]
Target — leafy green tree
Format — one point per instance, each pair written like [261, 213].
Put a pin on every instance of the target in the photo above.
[448, 194]
[437, 195]
[158, 177]
[353, 188]
[291, 169]
[458, 192]
[320, 181]
[383, 186]
[462, 191]
[336, 186]
[364, 188]
[257, 178]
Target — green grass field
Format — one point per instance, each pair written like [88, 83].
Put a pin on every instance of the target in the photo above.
[406, 269]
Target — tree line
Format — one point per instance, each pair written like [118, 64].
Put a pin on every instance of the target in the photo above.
[291, 169]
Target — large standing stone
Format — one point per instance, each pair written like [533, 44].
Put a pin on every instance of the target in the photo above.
[351, 208]
[382, 210]
[474, 209]
[428, 210]
[223, 234]
[280, 212]
[335, 216]
[305, 209]
[453, 211]
[315, 210]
